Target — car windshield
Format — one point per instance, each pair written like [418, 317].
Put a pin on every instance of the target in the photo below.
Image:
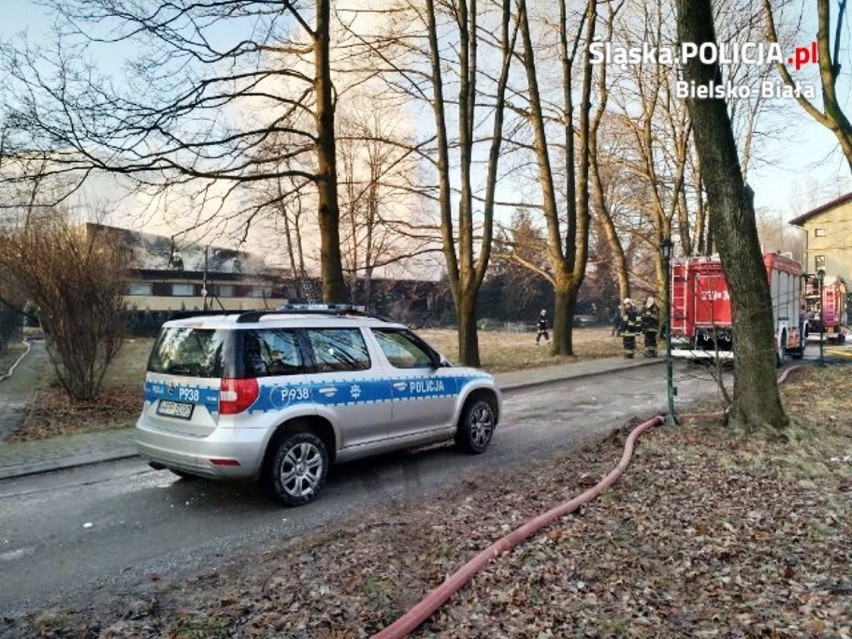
[194, 352]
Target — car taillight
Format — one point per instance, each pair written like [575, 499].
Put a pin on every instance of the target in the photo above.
[236, 395]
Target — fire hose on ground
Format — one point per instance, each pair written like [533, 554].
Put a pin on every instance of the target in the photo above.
[407, 623]
[435, 599]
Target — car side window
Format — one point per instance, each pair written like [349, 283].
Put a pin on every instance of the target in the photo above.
[269, 352]
[339, 349]
[401, 350]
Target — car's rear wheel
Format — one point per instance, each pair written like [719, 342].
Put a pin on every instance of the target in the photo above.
[297, 469]
[476, 426]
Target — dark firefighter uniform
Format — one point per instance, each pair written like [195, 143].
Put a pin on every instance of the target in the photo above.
[630, 327]
[650, 326]
[542, 327]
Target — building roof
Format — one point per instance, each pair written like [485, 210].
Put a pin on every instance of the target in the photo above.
[158, 252]
[799, 221]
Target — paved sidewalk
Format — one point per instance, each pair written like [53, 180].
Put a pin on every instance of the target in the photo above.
[27, 458]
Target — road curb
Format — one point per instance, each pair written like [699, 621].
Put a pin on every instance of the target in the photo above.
[39, 468]
[514, 386]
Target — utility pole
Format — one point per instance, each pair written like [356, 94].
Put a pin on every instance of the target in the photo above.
[821, 279]
[204, 282]
[666, 248]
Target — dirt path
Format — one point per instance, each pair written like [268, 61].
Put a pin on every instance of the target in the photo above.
[16, 392]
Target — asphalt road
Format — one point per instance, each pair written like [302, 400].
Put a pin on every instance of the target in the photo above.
[97, 529]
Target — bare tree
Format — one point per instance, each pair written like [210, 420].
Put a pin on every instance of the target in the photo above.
[196, 107]
[376, 160]
[74, 278]
[432, 53]
[568, 231]
[756, 402]
[832, 116]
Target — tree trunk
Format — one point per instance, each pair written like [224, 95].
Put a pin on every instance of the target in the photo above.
[563, 319]
[333, 284]
[756, 402]
[467, 333]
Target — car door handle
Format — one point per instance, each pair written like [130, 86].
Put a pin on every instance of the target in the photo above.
[328, 391]
[399, 385]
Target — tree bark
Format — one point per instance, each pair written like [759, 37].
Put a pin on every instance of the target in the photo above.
[756, 401]
[331, 267]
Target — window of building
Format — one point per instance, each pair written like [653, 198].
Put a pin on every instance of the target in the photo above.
[260, 291]
[819, 232]
[819, 262]
[140, 288]
[183, 290]
[225, 290]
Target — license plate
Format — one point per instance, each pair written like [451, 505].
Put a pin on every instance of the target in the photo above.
[175, 409]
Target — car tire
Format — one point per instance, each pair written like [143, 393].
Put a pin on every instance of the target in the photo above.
[296, 469]
[476, 426]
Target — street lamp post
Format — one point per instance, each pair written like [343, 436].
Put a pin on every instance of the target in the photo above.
[666, 248]
[821, 279]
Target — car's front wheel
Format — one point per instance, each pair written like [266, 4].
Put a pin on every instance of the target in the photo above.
[476, 426]
[297, 469]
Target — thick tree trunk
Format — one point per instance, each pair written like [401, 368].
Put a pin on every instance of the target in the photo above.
[756, 400]
[563, 319]
[333, 284]
[467, 333]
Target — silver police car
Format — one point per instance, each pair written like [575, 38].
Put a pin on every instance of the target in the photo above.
[278, 396]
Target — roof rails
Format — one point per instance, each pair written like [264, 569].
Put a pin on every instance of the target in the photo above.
[337, 310]
[251, 317]
[188, 314]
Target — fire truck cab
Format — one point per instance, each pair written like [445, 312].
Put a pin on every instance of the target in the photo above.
[702, 317]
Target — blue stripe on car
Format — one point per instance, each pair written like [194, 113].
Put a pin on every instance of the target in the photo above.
[324, 392]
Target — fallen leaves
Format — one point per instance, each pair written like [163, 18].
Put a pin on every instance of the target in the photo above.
[706, 535]
[53, 413]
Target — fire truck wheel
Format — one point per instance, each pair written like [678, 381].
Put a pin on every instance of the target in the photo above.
[779, 354]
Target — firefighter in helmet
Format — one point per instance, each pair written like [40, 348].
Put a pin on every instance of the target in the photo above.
[650, 326]
[542, 327]
[630, 327]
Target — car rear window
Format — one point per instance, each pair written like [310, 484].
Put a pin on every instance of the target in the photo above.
[193, 352]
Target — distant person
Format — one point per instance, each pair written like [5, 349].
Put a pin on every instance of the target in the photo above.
[616, 321]
[542, 327]
[650, 326]
[629, 327]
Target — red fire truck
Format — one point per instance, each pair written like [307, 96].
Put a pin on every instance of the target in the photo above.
[702, 319]
[825, 308]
